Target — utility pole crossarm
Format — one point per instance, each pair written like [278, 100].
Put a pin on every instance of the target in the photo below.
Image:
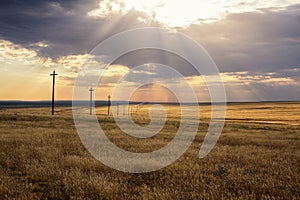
[54, 74]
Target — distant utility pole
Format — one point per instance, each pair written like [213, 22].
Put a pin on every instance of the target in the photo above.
[109, 104]
[53, 84]
[91, 100]
[117, 109]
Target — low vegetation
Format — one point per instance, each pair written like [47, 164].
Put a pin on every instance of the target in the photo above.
[256, 157]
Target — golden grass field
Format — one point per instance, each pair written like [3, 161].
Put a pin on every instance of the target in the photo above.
[256, 157]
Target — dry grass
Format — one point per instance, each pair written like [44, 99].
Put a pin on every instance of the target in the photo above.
[257, 157]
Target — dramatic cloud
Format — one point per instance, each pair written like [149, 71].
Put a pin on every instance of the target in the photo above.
[167, 11]
[255, 44]
[64, 25]
[263, 41]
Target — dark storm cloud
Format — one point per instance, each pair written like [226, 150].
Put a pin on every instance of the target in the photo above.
[255, 41]
[258, 42]
[145, 56]
[64, 25]
[27, 22]
[262, 41]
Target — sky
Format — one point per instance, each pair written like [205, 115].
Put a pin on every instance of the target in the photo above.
[254, 43]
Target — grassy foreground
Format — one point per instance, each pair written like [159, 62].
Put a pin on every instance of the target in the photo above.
[256, 157]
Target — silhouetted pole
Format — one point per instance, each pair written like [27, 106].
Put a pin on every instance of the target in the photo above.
[53, 84]
[91, 100]
[109, 104]
[117, 109]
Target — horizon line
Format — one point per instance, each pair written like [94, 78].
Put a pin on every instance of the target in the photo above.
[150, 102]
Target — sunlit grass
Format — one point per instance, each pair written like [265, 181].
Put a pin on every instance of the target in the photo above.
[256, 157]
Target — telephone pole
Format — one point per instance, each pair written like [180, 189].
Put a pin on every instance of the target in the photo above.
[117, 109]
[53, 84]
[91, 100]
[108, 103]
[124, 109]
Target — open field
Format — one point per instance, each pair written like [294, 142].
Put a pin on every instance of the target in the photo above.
[256, 157]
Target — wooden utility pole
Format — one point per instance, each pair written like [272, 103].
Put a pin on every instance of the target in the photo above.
[91, 100]
[117, 109]
[108, 104]
[53, 84]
